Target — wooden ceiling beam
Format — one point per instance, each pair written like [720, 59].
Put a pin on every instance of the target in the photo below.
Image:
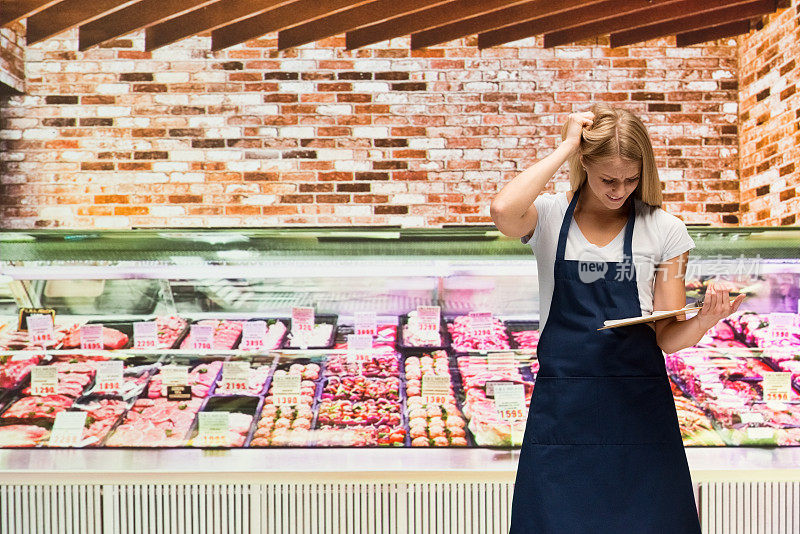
[351, 19]
[663, 11]
[553, 15]
[207, 18]
[429, 18]
[132, 18]
[12, 11]
[68, 14]
[278, 19]
[713, 33]
[694, 22]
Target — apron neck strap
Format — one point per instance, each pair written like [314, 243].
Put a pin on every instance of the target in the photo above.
[627, 248]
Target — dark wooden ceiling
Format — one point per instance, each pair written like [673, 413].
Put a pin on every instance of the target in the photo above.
[364, 22]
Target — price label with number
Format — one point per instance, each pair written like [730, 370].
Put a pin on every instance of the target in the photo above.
[202, 337]
[67, 429]
[359, 348]
[145, 335]
[235, 376]
[44, 380]
[435, 388]
[176, 379]
[429, 318]
[92, 337]
[40, 329]
[302, 320]
[286, 390]
[509, 400]
[365, 323]
[108, 376]
[776, 386]
[481, 323]
[213, 428]
[254, 334]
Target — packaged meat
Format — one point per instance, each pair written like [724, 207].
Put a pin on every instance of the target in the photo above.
[322, 336]
[284, 426]
[226, 334]
[378, 365]
[14, 368]
[112, 339]
[22, 435]
[201, 379]
[415, 336]
[463, 337]
[240, 410]
[156, 423]
[43, 408]
[256, 381]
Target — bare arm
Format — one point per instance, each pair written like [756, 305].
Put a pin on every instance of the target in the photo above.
[669, 293]
[512, 209]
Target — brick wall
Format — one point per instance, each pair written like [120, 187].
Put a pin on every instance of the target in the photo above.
[12, 62]
[117, 137]
[769, 118]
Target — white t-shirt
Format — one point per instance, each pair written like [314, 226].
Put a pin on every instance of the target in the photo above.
[657, 236]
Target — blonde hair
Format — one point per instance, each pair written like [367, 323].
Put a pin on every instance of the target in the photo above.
[616, 132]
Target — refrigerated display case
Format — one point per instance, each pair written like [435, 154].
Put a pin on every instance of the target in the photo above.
[361, 414]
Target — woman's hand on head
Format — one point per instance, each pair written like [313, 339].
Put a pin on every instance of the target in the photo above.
[576, 122]
[717, 303]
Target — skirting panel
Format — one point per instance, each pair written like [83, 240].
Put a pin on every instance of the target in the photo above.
[342, 508]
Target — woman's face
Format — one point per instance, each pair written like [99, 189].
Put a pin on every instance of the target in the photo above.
[612, 180]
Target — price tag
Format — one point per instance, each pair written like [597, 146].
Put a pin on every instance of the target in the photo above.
[365, 323]
[213, 428]
[253, 335]
[490, 385]
[481, 323]
[24, 313]
[760, 432]
[235, 376]
[429, 318]
[109, 376]
[44, 380]
[302, 320]
[502, 361]
[286, 390]
[40, 329]
[435, 389]
[509, 400]
[202, 336]
[776, 386]
[67, 429]
[145, 335]
[176, 379]
[92, 337]
[751, 417]
[359, 348]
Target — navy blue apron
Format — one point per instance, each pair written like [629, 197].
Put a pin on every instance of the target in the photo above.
[602, 449]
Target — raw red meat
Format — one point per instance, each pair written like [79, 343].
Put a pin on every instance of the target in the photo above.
[21, 435]
[112, 339]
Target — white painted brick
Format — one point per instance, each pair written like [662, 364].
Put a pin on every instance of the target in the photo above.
[171, 99]
[268, 132]
[407, 222]
[426, 142]
[11, 134]
[352, 166]
[480, 87]
[479, 154]
[117, 66]
[371, 65]
[408, 198]
[170, 166]
[298, 65]
[223, 221]
[722, 74]
[431, 166]
[296, 87]
[171, 53]
[260, 200]
[187, 221]
[171, 77]
[573, 53]
[370, 87]
[330, 154]
[113, 111]
[446, 154]
[223, 133]
[40, 133]
[730, 107]
[334, 109]
[223, 155]
[112, 88]
[206, 100]
[245, 99]
[209, 76]
[56, 212]
[352, 210]
[371, 131]
[700, 85]
[263, 109]
[186, 155]
[133, 122]
[310, 51]
[384, 188]
[244, 166]
[167, 211]
[298, 132]
[199, 121]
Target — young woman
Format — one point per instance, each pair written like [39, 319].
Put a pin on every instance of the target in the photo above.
[602, 450]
